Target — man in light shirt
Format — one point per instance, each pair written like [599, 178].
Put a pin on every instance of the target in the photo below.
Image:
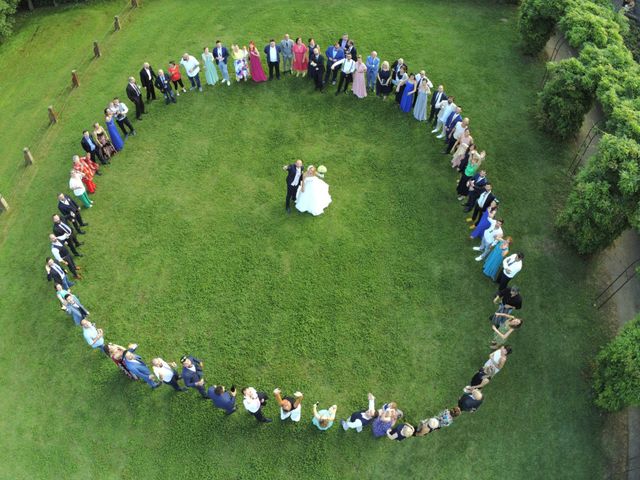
[120, 110]
[166, 373]
[510, 268]
[253, 402]
[94, 336]
[348, 66]
[192, 66]
[446, 107]
[290, 407]
[272, 52]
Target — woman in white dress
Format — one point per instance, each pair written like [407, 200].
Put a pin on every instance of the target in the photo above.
[313, 195]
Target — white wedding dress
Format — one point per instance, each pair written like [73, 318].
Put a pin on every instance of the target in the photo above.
[315, 197]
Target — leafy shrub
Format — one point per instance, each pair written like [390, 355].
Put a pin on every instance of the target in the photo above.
[617, 371]
[565, 98]
[588, 22]
[536, 21]
[7, 9]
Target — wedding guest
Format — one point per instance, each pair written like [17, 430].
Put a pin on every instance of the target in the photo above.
[477, 192]
[459, 128]
[71, 212]
[494, 260]
[489, 238]
[290, 407]
[343, 41]
[508, 300]
[62, 255]
[272, 53]
[57, 274]
[253, 402]
[176, 77]
[294, 179]
[147, 79]
[445, 418]
[470, 400]
[473, 165]
[383, 85]
[257, 72]
[91, 148]
[459, 151]
[450, 124]
[421, 78]
[75, 309]
[102, 140]
[85, 169]
[396, 67]
[134, 364]
[333, 53]
[373, 64]
[383, 422]
[192, 67]
[408, 93]
[351, 49]
[401, 82]
[506, 328]
[65, 234]
[359, 86]
[239, 62]
[116, 353]
[427, 426]
[498, 358]
[164, 85]
[316, 67]
[300, 57]
[438, 97]
[347, 67]
[482, 377]
[222, 399]
[323, 419]
[486, 221]
[446, 107]
[93, 336]
[311, 46]
[210, 72]
[192, 374]
[510, 268]
[286, 48]
[221, 55]
[166, 373]
[359, 420]
[61, 293]
[420, 107]
[78, 188]
[400, 432]
[122, 120]
[135, 95]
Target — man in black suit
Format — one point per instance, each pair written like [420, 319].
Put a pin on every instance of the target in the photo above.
[192, 374]
[65, 234]
[164, 85]
[56, 273]
[62, 255]
[294, 178]
[317, 68]
[89, 146]
[395, 68]
[436, 98]
[147, 77]
[483, 202]
[71, 212]
[134, 94]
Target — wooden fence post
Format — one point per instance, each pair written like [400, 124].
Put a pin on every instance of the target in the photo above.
[135, 3]
[4, 206]
[116, 23]
[75, 82]
[53, 116]
[28, 158]
[96, 50]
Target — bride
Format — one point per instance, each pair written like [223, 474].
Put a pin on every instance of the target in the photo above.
[313, 195]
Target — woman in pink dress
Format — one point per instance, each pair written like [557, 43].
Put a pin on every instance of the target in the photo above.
[255, 65]
[300, 58]
[359, 86]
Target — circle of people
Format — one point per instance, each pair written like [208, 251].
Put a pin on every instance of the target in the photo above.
[412, 91]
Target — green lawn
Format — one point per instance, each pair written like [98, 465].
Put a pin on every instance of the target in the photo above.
[189, 250]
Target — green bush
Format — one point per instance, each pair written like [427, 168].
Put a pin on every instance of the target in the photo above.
[616, 379]
[7, 10]
[588, 22]
[565, 98]
[536, 21]
[605, 196]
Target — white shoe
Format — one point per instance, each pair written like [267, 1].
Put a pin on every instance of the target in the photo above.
[440, 136]
[184, 90]
[434, 130]
[358, 429]
[477, 249]
[178, 94]
[228, 83]
[478, 258]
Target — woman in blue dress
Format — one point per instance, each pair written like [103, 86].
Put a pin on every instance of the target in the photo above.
[484, 223]
[406, 102]
[493, 262]
[116, 139]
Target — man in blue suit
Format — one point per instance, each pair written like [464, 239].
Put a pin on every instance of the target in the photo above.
[75, 309]
[272, 52]
[450, 123]
[163, 83]
[333, 53]
[192, 374]
[220, 54]
[137, 367]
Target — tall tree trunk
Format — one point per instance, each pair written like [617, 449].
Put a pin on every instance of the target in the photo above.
[30, 5]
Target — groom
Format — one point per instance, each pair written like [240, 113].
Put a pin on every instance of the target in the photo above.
[294, 177]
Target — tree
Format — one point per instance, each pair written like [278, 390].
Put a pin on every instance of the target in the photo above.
[7, 10]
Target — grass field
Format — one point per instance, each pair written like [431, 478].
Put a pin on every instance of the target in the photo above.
[189, 250]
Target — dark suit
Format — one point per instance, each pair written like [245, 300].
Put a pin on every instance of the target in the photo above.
[436, 98]
[164, 85]
[273, 65]
[66, 256]
[478, 187]
[59, 276]
[134, 94]
[92, 151]
[65, 234]
[395, 68]
[71, 212]
[317, 70]
[190, 378]
[292, 190]
[147, 82]
[479, 210]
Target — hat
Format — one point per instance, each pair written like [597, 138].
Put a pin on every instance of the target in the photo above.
[183, 358]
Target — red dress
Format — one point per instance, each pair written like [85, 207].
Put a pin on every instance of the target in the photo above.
[300, 63]
[87, 177]
[255, 65]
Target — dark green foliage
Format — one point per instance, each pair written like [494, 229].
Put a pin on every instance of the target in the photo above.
[536, 21]
[7, 10]
[617, 371]
[565, 98]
